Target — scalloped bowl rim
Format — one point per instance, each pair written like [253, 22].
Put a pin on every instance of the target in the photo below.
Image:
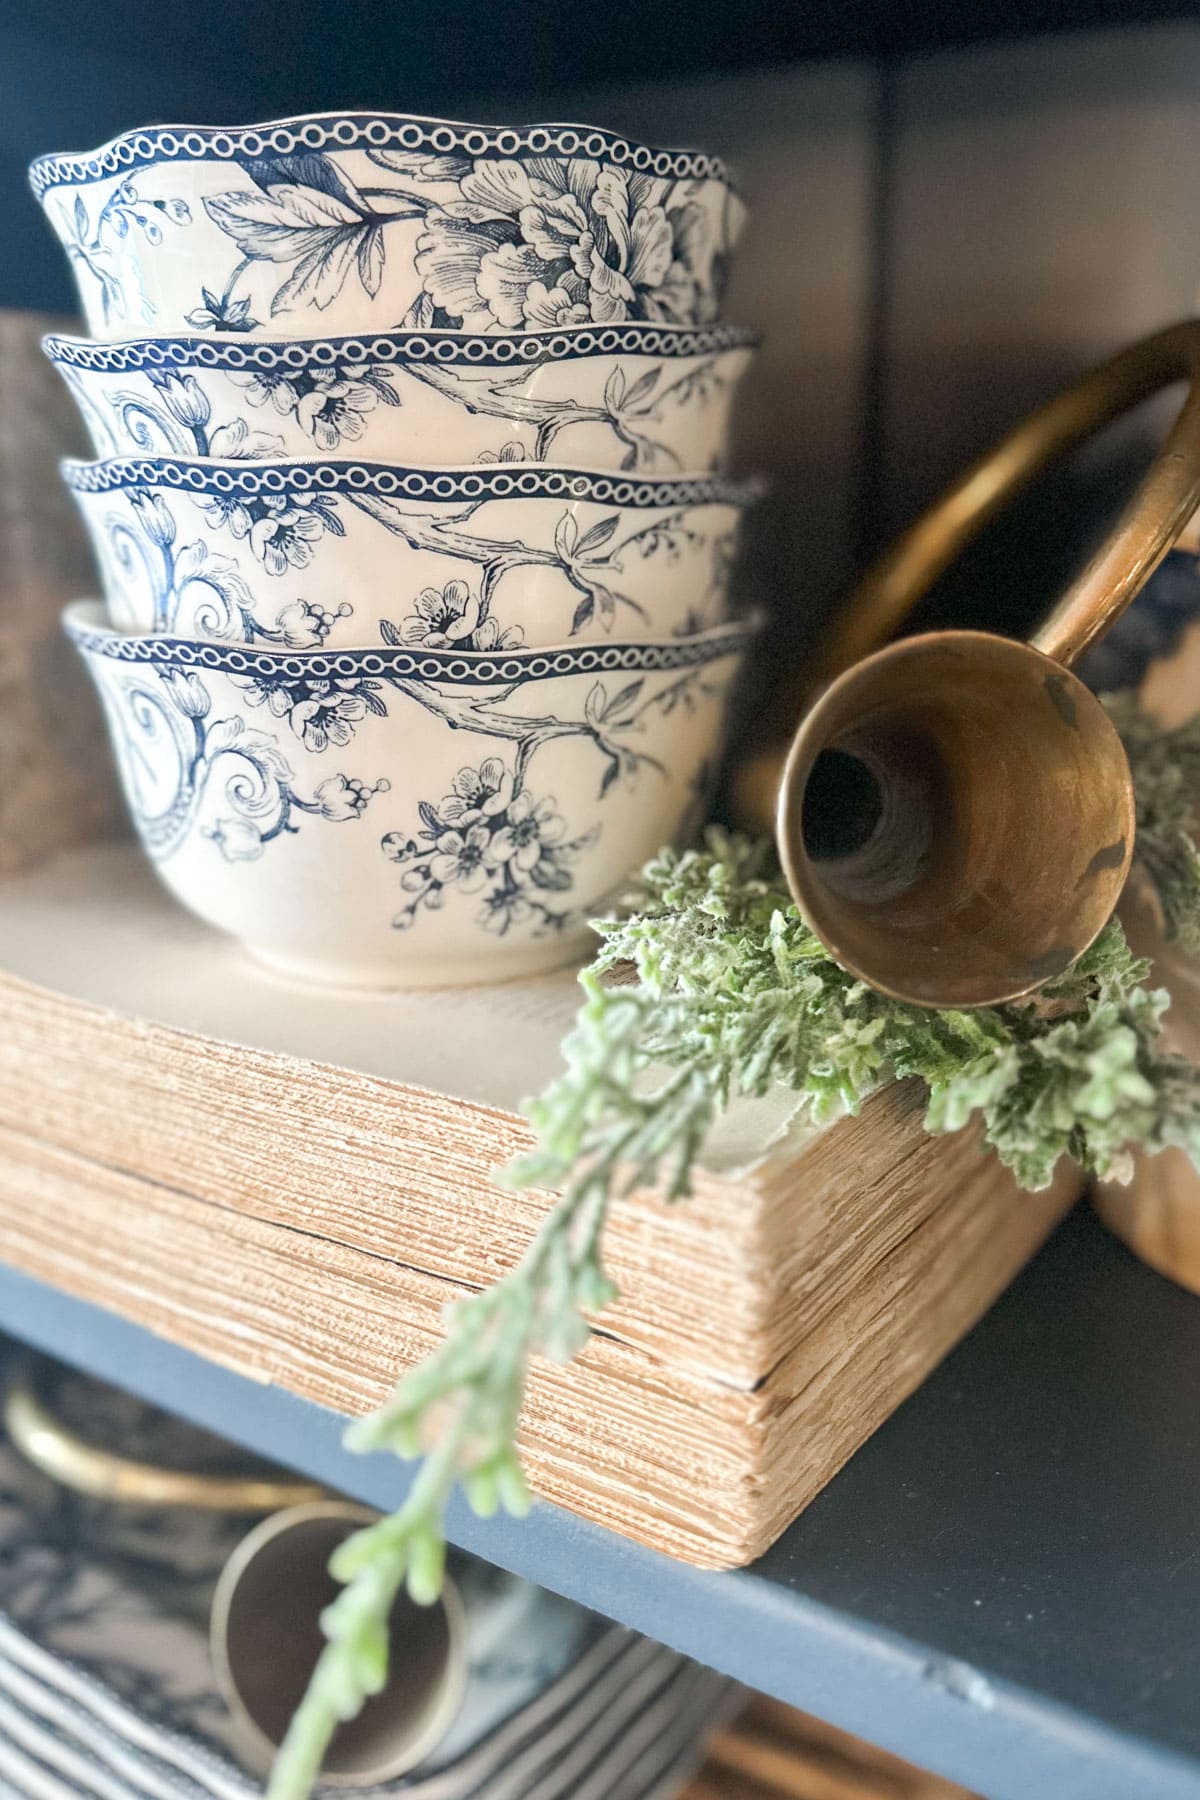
[513, 348]
[627, 147]
[84, 475]
[87, 618]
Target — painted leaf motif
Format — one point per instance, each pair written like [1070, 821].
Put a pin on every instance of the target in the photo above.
[566, 534]
[546, 874]
[223, 573]
[236, 442]
[280, 224]
[81, 219]
[304, 168]
[370, 270]
[266, 753]
[622, 702]
[597, 599]
[222, 736]
[420, 167]
[597, 535]
[643, 386]
[319, 277]
[379, 381]
[325, 507]
[188, 563]
[419, 316]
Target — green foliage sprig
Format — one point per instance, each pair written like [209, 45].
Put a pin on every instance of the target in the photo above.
[1166, 782]
[732, 994]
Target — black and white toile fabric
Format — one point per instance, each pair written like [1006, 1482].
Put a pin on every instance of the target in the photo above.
[107, 1693]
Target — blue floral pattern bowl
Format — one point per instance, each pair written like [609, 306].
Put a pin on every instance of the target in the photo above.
[409, 817]
[303, 555]
[648, 397]
[372, 221]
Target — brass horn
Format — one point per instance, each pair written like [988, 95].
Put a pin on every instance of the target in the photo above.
[955, 812]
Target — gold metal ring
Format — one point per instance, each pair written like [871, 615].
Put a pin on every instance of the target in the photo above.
[60, 1453]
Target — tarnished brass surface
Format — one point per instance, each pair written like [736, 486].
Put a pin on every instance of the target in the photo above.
[265, 1637]
[65, 1457]
[955, 813]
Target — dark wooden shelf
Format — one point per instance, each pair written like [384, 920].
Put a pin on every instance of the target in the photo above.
[1003, 1584]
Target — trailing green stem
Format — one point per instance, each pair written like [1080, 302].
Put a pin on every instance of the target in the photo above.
[731, 994]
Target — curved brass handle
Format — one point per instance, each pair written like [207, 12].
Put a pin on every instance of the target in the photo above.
[58, 1452]
[1165, 500]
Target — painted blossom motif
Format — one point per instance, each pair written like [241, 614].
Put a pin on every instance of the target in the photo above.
[331, 405]
[493, 835]
[505, 245]
[634, 411]
[283, 526]
[303, 625]
[185, 399]
[488, 836]
[496, 842]
[529, 833]
[512, 452]
[345, 796]
[188, 692]
[548, 243]
[281, 529]
[320, 712]
[593, 561]
[478, 793]
[452, 618]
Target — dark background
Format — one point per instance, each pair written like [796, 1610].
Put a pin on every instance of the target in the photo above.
[74, 72]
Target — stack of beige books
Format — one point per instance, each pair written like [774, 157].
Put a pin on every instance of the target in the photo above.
[294, 1182]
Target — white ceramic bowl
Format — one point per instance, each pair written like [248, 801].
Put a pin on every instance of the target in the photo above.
[398, 817]
[653, 397]
[369, 221]
[308, 554]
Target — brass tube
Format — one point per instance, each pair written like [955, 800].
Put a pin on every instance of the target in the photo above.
[65, 1457]
[1166, 498]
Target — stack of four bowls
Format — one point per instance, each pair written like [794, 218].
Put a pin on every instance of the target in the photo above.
[417, 637]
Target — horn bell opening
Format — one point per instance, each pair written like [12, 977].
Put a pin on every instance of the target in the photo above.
[956, 819]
